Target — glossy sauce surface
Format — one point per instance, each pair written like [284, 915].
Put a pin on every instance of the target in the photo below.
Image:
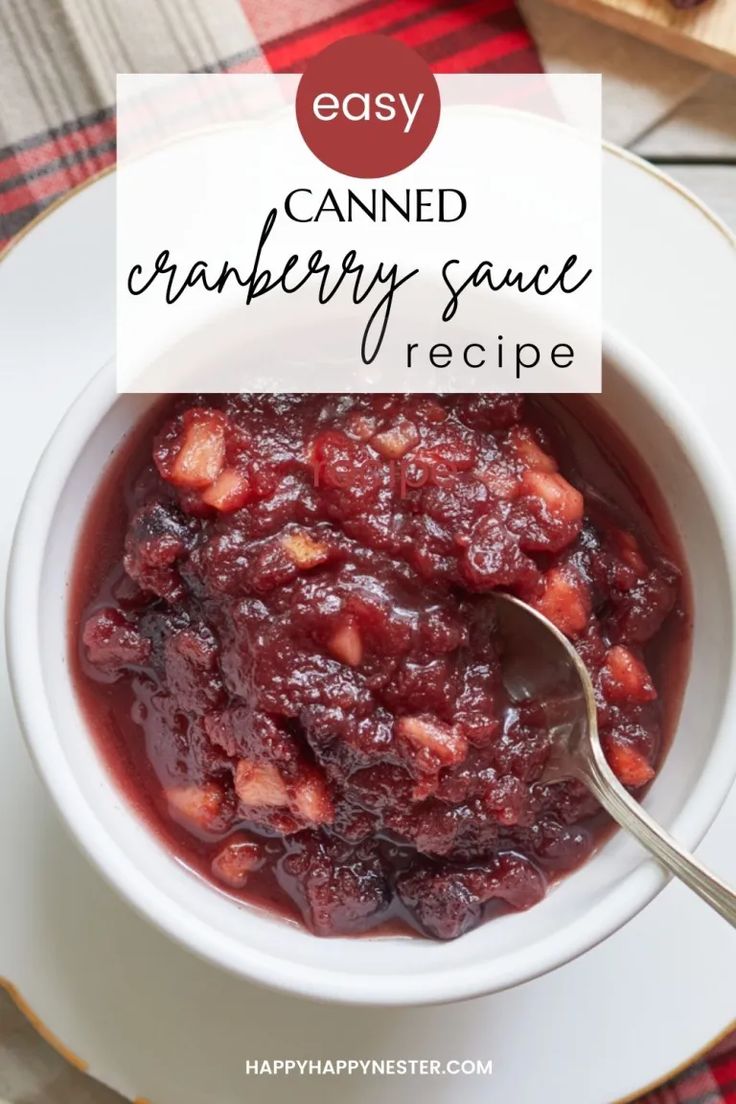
[280, 636]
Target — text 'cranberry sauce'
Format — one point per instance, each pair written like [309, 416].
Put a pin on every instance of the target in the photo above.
[281, 640]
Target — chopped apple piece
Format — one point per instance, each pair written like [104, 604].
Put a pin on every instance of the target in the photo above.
[628, 549]
[229, 492]
[624, 677]
[565, 600]
[529, 452]
[361, 426]
[441, 739]
[501, 480]
[113, 642]
[560, 497]
[629, 765]
[235, 861]
[198, 806]
[346, 644]
[201, 454]
[395, 442]
[304, 550]
[260, 785]
[311, 799]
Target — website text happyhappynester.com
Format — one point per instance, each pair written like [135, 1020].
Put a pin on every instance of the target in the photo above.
[369, 1067]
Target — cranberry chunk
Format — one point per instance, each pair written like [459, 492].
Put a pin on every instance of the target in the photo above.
[493, 558]
[157, 538]
[113, 642]
[338, 894]
[192, 669]
[640, 612]
[489, 412]
[447, 901]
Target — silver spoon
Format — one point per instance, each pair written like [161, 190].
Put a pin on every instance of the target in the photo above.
[577, 752]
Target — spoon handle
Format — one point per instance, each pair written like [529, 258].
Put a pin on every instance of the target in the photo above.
[630, 815]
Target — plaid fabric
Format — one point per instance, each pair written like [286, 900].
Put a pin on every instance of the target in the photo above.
[40, 58]
[482, 35]
[37, 168]
[711, 1080]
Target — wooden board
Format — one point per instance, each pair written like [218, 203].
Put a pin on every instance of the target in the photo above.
[706, 34]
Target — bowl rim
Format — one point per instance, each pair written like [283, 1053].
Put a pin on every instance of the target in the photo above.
[616, 907]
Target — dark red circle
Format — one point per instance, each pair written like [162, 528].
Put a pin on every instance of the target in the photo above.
[337, 81]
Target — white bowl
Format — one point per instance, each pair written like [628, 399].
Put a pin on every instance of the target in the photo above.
[586, 907]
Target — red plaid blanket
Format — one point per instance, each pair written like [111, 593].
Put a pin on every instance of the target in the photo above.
[480, 36]
[454, 36]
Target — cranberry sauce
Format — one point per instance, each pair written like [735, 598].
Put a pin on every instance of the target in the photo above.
[281, 639]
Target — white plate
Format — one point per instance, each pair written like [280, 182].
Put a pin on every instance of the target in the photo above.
[156, 1023]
